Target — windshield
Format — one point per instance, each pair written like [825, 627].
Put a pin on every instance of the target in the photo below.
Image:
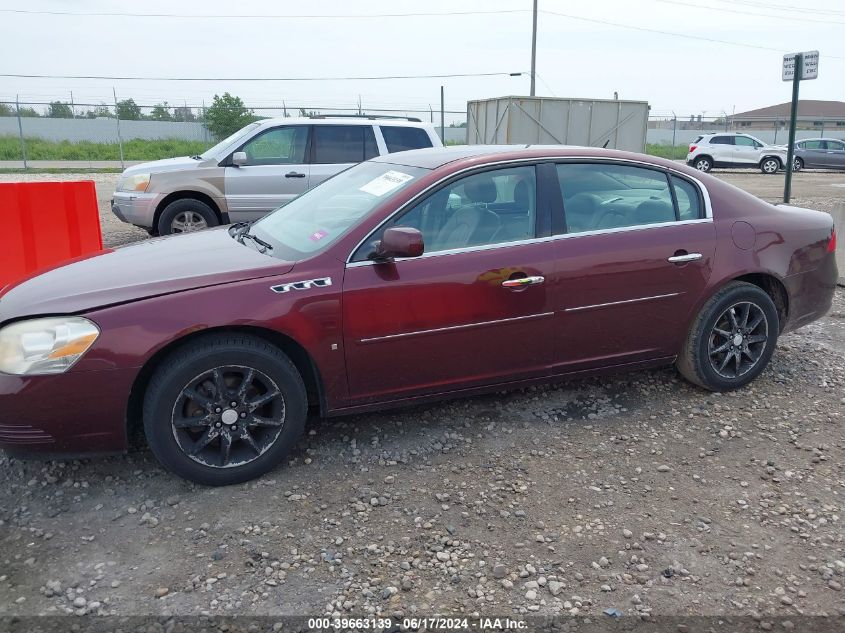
[212, 152]
[310, 223]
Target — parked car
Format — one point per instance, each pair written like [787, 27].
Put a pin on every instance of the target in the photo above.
[258, 169]
[408, 278]
[734, 150]
[824, 153]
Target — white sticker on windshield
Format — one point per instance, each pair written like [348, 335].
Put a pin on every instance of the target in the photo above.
[386, 183]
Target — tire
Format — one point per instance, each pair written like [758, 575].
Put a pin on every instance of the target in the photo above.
[701, 359]
[703, 163]
[770, 165]
[227, 445]
[797, 164]
[186, 216]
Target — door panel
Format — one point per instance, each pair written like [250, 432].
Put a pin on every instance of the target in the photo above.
[621, 300]
[745, 151]
[276, 172]
[445, 322]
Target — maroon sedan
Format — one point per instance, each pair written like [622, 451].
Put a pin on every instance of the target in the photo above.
[415, 276]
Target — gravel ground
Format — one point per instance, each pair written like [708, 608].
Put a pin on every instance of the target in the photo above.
[636, 492]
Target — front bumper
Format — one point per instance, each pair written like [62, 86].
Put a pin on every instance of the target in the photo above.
[136, 208]
[70, 414]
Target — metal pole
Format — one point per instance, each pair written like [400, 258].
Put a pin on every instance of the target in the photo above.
[431, 112]
[72, 109]
[796, 81]
[119, 138]
[534, 50]
[20, 129]
[674, 131]
[359, 105]
[777, 125]
[442, 116]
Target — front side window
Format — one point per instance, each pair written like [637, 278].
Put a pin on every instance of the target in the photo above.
[400, 139]
[337, 144]
[278, 146]
[814, 145]
[312, 222]
[746, 141]
[599, 196]
[486, 208]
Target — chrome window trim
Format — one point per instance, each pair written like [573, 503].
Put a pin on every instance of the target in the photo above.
[708, 209]
[453, 328]
[535, 240]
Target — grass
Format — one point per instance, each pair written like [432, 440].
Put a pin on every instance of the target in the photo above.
[133, 149]
[61, 170]
[664, 150]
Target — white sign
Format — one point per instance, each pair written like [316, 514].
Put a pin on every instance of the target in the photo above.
[809, 65]
[385, 183]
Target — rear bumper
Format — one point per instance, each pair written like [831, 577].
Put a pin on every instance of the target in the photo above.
[811, 293]
[70, 414]
[136, 208]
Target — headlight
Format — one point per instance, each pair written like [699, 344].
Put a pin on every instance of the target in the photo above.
[45, 346]
[135, 182]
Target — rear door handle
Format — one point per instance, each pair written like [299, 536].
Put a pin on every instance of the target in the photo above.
[294, 174]
[522, 282]
[687, 257]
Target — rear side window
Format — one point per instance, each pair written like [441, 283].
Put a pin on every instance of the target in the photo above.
[607, 196]
[400, 139]
[814, 145]
[334, 144]
[722, 140]
[689, 200]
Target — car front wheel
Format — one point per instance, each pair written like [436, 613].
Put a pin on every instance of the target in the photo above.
[770, 165]
[732, 339]
[186, 216]
[703, 164]
[224, 409]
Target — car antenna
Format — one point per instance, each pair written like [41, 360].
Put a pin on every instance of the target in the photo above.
[605, 144]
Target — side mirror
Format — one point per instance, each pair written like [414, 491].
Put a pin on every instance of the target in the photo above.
[399, 241]
[239, 159]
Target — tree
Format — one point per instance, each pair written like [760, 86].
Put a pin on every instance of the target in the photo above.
[462, 124]
[161, 112]
[28, 112]
[226, 115]
[59, 110]
[6, 110]
[100, 112]
[183, 113]
[128, 110]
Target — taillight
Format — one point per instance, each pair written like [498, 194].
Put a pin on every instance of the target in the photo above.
[692, 148]
[831, 245]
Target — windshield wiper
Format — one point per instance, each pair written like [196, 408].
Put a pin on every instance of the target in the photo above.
[241, 233]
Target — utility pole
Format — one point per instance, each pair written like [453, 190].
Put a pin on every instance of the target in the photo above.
[117, 118]
[442, 116]
[534, 50]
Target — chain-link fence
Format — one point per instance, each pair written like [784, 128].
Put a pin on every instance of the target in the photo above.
[128, 131]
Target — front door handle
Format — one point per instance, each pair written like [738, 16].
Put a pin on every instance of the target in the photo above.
[523, 282]
[685, 257]
[294, 174]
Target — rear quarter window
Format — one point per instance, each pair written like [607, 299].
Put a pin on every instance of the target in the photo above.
[400, 139]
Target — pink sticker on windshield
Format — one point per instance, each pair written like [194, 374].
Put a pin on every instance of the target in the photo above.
[316, 236]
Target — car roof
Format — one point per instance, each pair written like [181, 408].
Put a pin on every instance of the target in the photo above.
[434, 157]
[342, 120]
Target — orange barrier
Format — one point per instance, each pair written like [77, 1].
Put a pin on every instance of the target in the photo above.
[45, 223]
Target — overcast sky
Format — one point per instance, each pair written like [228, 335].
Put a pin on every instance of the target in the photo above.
[577, 56]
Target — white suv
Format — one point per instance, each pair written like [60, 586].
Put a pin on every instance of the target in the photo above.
[258, 169]
[734, 150]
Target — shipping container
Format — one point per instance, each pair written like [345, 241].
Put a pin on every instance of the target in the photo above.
[551, 121]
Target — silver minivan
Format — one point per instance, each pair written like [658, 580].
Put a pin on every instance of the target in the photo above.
[261, 167]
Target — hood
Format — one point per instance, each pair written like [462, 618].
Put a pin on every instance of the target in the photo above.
[167, 164]
[138, 271]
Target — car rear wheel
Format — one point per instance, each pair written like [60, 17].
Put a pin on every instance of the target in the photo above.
[797, 164]
[732, 339]
[224, 410]
[186, 216]
[703, 163]
[769, 165]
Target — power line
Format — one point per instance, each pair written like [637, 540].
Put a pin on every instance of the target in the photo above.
[790, 18]
[783, 7]
[671, 33]
[374, 78]
[257, 17]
